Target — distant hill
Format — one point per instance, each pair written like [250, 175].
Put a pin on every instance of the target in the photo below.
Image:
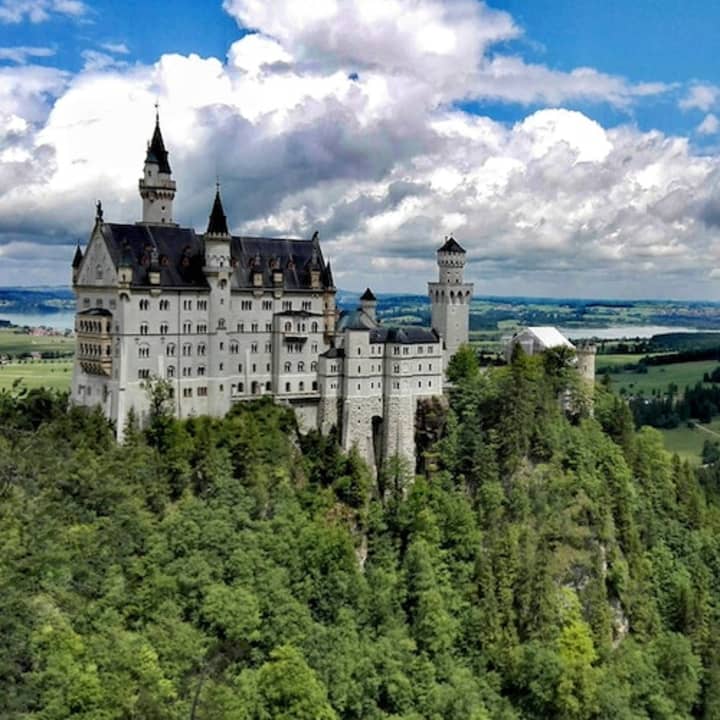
[36, 300]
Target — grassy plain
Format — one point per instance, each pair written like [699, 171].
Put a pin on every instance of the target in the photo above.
[658, 377]
[688, 442]
[56, 374]
[15, 343]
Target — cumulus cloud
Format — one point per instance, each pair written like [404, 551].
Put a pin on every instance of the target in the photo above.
[119, 48]
[700, 97]
[20, 54]
[709, 125]
[343, 117]
[37, 11]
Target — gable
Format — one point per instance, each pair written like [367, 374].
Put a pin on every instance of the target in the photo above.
[97, 268]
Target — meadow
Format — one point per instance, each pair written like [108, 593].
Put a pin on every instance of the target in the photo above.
[56, 374]
[688, 442]
[657, 378]
[14, 343]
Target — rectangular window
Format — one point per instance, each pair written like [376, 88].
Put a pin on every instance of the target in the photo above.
[267, 304]
[202, 392]
[268, 327]
[143, 373]
[254, 327]
[307, 305]
[246, 305]
[187, 392]
[287, 305]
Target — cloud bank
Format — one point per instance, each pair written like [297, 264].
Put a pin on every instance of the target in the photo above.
[346, 116]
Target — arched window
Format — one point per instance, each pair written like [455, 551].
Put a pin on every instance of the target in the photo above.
[301, 366]
[314, 327]
[187, 349]
[171, 371]
[170, 350]
[288, 327]
[201, 349]
[163, 328]
[313, 366]
[288, 367]
[234, 347]
[143, 328]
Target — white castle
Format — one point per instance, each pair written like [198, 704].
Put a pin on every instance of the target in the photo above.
[227, 319]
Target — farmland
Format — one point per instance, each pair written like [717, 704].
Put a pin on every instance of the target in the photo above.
[55, 374]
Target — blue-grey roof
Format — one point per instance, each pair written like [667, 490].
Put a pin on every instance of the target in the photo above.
[409, 335]
[181, 254]
[355, 320]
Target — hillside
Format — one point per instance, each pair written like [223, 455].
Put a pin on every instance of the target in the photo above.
[541, 567]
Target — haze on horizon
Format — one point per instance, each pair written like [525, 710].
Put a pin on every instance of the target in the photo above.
[572, 148]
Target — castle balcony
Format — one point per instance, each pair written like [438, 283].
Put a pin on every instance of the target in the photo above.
[93, 341]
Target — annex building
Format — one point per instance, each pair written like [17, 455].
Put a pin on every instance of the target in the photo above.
[228, 318]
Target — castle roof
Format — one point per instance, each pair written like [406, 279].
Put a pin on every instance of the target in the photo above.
[355, 320]
[181, 255]
[547, 336]
[409, 335]
[156, 152]
[368, 295]
[217, 224]
[452, 245]
[77, 259]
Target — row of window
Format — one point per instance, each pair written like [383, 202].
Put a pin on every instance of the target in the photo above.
[301, 366]
[99, 303]
[94, 326]
[144, 304]
[92, 350]
[300, 327]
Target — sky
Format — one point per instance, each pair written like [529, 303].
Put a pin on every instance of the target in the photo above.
[572, 147]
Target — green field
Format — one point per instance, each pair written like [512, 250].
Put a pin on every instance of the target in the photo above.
[56, 374]
[15, 343]
[658, 377]
[688, 442]
[611, 360]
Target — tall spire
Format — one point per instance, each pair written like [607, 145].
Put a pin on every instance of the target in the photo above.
[156, 149]
[157, 188]
[218, 222]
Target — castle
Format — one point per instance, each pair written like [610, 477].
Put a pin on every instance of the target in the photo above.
[229, 318]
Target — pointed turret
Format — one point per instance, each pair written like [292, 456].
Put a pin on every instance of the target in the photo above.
[157, 188]
[156, 152]
[77, 258]
[368, 303]
[217, 224]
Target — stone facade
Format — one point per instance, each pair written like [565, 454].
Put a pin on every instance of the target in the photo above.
[450, 298]
[228, 318]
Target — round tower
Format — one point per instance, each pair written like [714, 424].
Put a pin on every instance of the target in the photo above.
[157, 188]
[450, 297]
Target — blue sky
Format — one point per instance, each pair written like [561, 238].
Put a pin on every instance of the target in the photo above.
[572, 146]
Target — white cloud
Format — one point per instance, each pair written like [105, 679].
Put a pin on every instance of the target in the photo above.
[119, 48]
[20, 54]
[95, 60]
[37, 11]
[700, 97]
[380, 162]
[709, 126]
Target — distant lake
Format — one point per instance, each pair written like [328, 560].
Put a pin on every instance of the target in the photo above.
[59, 320]
[626, 331]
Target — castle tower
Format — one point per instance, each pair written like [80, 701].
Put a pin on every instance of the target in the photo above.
[157, 188]
[450, 298]
[585, 354]
[368, 303]
[217, 271]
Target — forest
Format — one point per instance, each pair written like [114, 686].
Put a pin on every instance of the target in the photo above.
[548, 560]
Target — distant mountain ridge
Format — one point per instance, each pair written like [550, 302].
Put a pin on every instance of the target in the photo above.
[36, 300]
